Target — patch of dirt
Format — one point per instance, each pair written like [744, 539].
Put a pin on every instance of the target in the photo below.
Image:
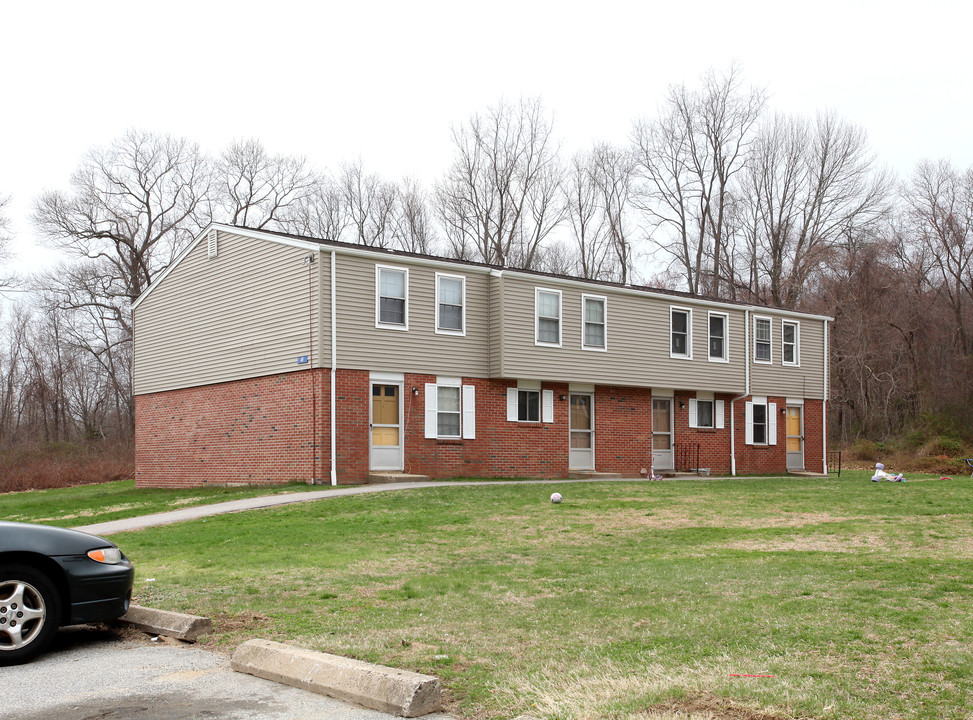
[705, 707]
[241, 621]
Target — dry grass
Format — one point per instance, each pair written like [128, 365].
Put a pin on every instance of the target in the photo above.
[61, 465]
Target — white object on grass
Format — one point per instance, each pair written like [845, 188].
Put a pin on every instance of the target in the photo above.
[556, 498]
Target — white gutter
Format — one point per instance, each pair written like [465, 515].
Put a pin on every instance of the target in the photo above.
[334, 371]
[824, 404]
[746, 362]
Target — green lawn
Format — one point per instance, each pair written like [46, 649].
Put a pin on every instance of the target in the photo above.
[628, 600]
[89, 504]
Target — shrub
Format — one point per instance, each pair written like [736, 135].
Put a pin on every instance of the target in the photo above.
[52, 465]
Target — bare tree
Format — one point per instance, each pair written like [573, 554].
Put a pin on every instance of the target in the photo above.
[370, 203]
[940, 213]
[687, 160]
[134, 206]
[413, 219]
[586, 221]
[256, 189]
[319, 213]
[500, 198]
[807, 187]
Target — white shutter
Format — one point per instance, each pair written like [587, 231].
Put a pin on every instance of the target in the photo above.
[469, 412]
[771, 423]
[432, 410]
[718, 412]
[512, 404]
[749, 423]
[693, 422]
[548, 396]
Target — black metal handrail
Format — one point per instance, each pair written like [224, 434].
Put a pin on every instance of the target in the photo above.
[685, 457]
[834, 460]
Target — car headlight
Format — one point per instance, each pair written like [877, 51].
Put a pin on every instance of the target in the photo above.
[109, 556]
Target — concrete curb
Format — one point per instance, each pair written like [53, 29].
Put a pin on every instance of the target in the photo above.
[399, 692]
[170, 624]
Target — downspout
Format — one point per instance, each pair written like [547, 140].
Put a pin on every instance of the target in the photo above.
[746, 361]
[334, 372]
[824, 403]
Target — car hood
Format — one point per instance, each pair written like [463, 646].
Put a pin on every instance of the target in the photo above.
[47, 539]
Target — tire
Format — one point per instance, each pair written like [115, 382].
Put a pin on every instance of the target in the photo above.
[30, 609]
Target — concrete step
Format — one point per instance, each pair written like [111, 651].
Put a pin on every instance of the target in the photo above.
[377, 478]
[591, 475]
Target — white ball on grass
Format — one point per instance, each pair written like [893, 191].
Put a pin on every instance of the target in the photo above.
[556, 498]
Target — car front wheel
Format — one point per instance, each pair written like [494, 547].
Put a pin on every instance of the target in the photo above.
[29, 612]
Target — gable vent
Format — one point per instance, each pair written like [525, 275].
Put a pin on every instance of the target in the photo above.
[211, 243]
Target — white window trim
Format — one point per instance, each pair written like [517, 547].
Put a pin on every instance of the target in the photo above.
[770, 340]
[537, 317]
[467, 410]
[448, 331]
[378, 298]
[604, 322]
[545, 404]
[726, 337]
[797, 343]
[719, 419]
[689, 332]
[771, 422]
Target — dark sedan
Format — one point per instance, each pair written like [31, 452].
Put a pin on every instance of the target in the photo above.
[50, 577]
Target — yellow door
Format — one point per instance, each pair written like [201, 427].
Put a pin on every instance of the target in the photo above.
[385, 446]
[795, 438]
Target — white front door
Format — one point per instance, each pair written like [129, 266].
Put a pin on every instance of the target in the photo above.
[385, 427]
[662, 433]
[582, 428]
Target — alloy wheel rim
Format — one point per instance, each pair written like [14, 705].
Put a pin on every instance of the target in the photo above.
[22, 614]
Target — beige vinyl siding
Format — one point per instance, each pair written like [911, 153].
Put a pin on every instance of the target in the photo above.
[419, 349]
[804, 381]
[637, 336]
[496, 324]
[245, 313]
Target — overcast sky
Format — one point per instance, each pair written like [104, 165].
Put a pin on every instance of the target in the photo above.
[386, 81]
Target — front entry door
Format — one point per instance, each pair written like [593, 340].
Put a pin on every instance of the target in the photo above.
[582, 453]
[795, 438]
[662, 434]
[386, 437]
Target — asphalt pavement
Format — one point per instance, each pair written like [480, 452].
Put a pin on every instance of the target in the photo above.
[98, 673]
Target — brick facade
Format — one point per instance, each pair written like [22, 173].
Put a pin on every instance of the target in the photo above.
[275, 429]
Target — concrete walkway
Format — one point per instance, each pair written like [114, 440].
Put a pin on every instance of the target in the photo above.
[257, 503]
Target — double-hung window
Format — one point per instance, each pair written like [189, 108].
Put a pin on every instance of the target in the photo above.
[450, 304]
[450, 409]
[528, 403]
[593, 332]
[790, 334]
[761, 340]
[391, 297]
[717, 337]
[680, 332]
[761, 422]
[705, 412]
[547, 313]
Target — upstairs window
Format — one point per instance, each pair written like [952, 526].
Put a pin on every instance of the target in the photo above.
[451, 304]
[790, 337]
[593, 333]
[680, 333]
[547, 308]
[761, 340]
[392, 303]
[717, 337]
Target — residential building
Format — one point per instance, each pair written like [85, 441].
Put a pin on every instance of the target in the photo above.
[262, 357]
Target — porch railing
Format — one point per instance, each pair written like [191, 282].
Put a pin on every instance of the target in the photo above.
[685, 457]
